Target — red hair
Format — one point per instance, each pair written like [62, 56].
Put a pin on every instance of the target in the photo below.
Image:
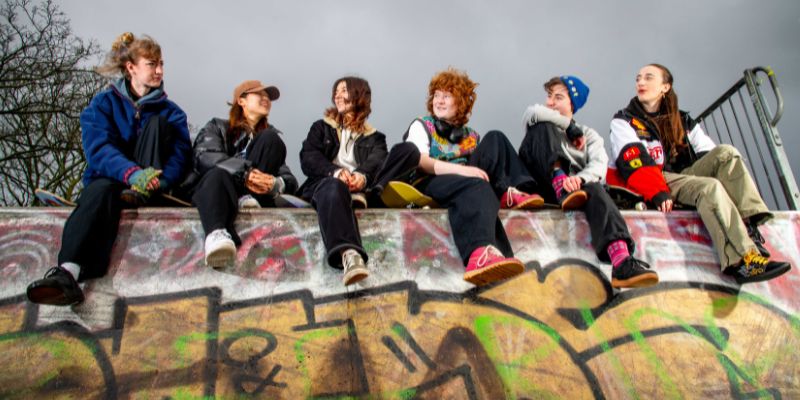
[460, 86]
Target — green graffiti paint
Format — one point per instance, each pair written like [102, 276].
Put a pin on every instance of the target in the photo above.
[300, 355]
[616, 364]
[509, 370]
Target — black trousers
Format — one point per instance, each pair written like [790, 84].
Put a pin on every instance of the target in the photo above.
[499, 159]
[540, 149]
[216, 195]
[472, 204]
[91, 229]
[337, 220]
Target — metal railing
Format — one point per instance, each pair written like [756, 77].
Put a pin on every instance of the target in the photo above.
[747, 125]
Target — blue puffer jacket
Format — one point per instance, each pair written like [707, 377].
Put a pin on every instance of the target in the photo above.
[112, 122]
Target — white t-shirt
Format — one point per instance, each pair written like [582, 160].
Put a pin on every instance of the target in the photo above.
[346, 158]
[419, 136]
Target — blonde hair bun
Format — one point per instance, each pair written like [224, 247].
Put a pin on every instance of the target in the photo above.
[122, 40]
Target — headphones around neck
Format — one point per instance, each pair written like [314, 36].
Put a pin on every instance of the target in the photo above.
[453, 134]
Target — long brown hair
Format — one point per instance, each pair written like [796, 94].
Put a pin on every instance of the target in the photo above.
[668, 121]
[237, 123]
[360, 97]
[128, 48]
[460, 86]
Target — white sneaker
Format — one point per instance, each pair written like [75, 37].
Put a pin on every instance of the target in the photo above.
[354, 268]
[358, 200]
[248, 201]
[220, 249]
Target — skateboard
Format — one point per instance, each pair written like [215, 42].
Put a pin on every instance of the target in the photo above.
[402, 195]
[289, 201]
[51, 199]
[626, 199]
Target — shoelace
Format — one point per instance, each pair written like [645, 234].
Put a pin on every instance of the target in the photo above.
[510, 196]
[50, 272]
[484, 257]
[220, 234]
[350, 259]
[753, 258]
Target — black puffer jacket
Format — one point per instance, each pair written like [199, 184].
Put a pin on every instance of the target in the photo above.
[212, 149]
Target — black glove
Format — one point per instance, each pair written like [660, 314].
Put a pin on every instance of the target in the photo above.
[573, 132]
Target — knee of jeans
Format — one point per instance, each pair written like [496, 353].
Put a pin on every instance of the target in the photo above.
[405, 147]
[727, 152]
[711, 189]
[593, 188]
[330, 189]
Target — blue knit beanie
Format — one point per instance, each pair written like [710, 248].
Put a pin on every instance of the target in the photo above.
[578, 91]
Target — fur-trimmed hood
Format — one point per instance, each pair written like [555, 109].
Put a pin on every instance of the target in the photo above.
[368, 129]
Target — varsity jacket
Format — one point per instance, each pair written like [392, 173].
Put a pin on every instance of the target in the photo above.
[110, 125]
[320, 148]
[640, 156]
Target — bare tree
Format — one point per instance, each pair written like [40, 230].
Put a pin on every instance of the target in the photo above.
[44, 85]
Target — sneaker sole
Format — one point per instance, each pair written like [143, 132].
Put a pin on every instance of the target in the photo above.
[221, 257]
[767, 276]
[531, 204]
[643, 280]
[355, 275]
[51, 296]
[574, 201]
[495, 272]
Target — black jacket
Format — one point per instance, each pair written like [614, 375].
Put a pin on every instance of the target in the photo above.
[322, 145]
[212, 149]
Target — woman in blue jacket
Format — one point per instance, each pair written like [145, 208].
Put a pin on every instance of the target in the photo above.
[242, 164]
[136, 144]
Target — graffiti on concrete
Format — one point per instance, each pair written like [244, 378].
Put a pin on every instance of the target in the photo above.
[279, 325]
[556, 331]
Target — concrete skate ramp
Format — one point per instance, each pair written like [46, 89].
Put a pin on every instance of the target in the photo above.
[280, 325]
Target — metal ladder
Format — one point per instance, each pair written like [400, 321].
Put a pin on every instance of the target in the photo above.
[728, 119]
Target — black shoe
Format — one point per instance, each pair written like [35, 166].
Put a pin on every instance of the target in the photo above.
[633, 273]
[752, 231]
[57, 288]
[133, 198]
[755, 268]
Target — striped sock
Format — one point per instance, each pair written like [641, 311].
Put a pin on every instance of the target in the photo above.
[558, 182]
[618, 252]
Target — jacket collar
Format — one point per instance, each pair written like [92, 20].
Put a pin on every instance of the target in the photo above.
[122, 89]
[368, 129]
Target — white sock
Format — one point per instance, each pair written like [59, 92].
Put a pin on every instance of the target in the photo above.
[72, 268]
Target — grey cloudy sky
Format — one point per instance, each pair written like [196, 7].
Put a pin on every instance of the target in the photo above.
[509, 47]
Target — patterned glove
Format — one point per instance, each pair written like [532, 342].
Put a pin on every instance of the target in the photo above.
[141, 178]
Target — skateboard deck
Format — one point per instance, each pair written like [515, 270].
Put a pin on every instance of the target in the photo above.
[289, 201]
[402, 195]
[51, 199]
[626, 199]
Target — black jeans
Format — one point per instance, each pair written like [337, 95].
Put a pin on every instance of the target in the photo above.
[337, 220]
[91, 229]
[540, 149]
[217, 194]
[472, 204]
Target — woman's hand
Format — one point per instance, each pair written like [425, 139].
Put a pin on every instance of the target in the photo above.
[572, 183]
[471, 172]
[665, 206]
[356, 182]
[259, 182]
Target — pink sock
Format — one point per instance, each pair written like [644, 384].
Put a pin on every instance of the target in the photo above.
[618, 252]
[558, 182]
